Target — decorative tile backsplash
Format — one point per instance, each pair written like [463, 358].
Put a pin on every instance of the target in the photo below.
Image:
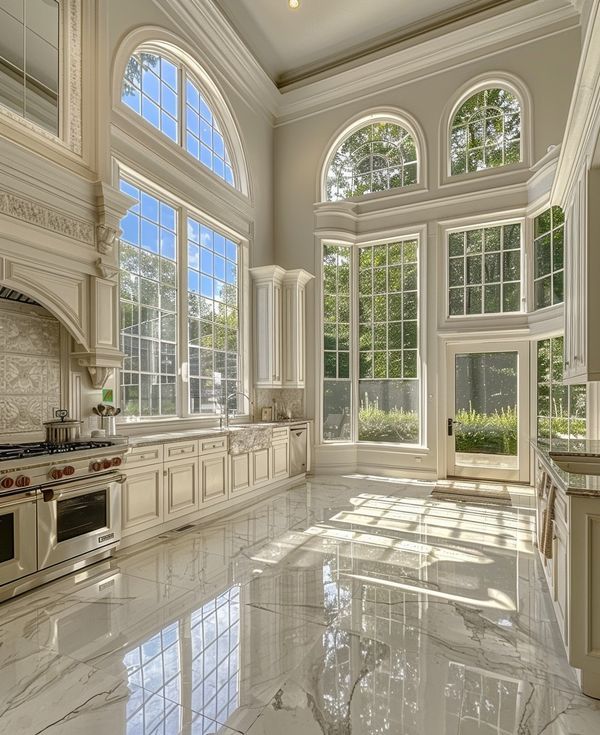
[29, 370]
[288, 399]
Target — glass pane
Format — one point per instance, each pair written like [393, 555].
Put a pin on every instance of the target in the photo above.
[336, 410]
[7, 537]
[80, 515]
[486, 393]
[389, 411]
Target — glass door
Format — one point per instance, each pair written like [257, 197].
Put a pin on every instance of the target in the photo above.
[488, 411]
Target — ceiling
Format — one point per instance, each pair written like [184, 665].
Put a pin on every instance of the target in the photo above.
[319, 36]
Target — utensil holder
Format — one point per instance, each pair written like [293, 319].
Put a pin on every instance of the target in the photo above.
[109, 424]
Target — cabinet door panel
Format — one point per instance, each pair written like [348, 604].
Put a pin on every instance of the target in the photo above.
[213, 471]
[141, 499]
[181, 487]
[240, 473]
[280, 455]
[260, 466]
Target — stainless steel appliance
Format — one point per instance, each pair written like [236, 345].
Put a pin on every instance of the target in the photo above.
[62, 430]
[60, 509]
[298, 449]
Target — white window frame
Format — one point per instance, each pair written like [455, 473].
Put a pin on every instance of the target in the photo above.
[414, 233]
[183, 210]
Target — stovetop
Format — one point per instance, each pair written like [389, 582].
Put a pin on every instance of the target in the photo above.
[36, 449]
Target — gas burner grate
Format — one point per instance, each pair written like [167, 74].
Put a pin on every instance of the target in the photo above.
[36, 449]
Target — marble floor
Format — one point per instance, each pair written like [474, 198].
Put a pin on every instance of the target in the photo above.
[344, 606]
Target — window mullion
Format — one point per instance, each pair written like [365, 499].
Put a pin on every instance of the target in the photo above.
[354, 342]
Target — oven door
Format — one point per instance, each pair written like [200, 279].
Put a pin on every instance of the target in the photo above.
[18, 556]
[76, 518]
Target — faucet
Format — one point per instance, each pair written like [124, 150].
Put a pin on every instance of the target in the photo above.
[231, 395]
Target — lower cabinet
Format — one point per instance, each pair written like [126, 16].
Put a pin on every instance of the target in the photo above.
[142, 499]
[213, 478]
[280, 454]
[181, 487]
[559, 577]
[261, 466]
[240, 477]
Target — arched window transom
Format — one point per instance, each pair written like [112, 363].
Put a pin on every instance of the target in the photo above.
[168, 97]
[376, 157]
[486, 132]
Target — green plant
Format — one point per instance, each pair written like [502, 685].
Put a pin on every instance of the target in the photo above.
[493, 433]
[396, 426]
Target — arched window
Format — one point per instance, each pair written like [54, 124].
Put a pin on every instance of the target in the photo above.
[167, 95]
[375, 157]
[486, 132]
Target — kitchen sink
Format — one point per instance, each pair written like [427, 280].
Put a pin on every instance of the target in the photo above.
[247, 438]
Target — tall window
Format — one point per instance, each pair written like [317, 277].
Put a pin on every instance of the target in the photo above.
[388, 387]
[486, 132]
[148, 261]
[484, 270]
[379, 401]
[378, 156]
[29, 60]
[549, 254]
[153, 86]
[337, 421]
[561, 409]
[213, 321]
[154, 303]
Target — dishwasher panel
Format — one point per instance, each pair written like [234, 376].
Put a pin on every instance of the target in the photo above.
[298, 438]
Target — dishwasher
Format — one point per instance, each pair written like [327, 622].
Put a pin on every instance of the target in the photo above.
[298, 442]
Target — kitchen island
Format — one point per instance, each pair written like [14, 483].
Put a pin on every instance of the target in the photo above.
[568, 540]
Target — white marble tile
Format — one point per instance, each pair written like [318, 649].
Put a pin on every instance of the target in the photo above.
[345, 605]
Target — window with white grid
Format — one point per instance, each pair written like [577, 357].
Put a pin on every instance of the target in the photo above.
[484, 270]
[549, 258]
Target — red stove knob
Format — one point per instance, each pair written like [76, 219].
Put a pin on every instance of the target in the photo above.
[117, 461]
[6, 483]
[23, 481]
[96, 466]
[56, 473]
[106, 464]
[69, 470]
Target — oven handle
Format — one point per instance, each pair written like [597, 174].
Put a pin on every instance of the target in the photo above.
[51, 493]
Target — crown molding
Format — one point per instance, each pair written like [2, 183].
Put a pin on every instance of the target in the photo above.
[511, 28]
[583, 123]
[203, 24]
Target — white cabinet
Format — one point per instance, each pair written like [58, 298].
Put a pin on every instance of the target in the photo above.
[240, 473]
[294, 327]
[280, 459]
[261, 466]
[582, 296]
[268, 281]
[142, 499]
[182, 487]
[560, 577]
[279, 326]
[213, 478]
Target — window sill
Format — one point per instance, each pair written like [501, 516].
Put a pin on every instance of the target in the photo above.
[418, 449]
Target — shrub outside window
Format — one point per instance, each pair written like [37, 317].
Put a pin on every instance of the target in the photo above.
[485, 132]
[561, 409]
[484, 270]
[152, 87]
[549, 255]
[376, 157]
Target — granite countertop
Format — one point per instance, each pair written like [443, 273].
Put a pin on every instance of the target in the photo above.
[573, 483]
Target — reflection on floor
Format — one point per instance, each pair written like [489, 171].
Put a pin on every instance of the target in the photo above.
[345, 606]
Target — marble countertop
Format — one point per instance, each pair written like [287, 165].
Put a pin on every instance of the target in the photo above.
[573, 483]
[142, 440]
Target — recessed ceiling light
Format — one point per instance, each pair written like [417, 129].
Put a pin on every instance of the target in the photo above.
[294, 4]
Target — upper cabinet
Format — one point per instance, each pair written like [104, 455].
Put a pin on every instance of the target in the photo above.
[279, 327]
[582, 266]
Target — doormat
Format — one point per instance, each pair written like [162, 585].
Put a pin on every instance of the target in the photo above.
[462, 493]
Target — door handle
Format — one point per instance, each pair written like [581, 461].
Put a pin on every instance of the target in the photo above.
[451, 423]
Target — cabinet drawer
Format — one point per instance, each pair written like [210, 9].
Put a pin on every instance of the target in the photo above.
[179, 450]
[216, 444]
[143, 456]
[279, 434]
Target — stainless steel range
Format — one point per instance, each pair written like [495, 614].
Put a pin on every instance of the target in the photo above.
[60, 509]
